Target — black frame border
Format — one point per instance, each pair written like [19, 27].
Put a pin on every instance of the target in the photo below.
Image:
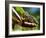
[7, 15]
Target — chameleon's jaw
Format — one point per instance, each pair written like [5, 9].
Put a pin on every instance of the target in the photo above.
[28, 24]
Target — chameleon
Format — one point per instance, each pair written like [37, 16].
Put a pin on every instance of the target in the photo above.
[26, 19]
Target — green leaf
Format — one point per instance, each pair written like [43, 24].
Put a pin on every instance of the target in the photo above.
[20, 10]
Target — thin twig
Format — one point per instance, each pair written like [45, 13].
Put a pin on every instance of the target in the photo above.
[16, 13]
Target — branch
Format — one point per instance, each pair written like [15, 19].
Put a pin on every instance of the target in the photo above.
[16, 13]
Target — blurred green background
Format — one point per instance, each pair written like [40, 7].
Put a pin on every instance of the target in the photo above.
[35, 12]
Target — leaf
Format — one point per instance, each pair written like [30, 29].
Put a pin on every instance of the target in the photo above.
[20, 10]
